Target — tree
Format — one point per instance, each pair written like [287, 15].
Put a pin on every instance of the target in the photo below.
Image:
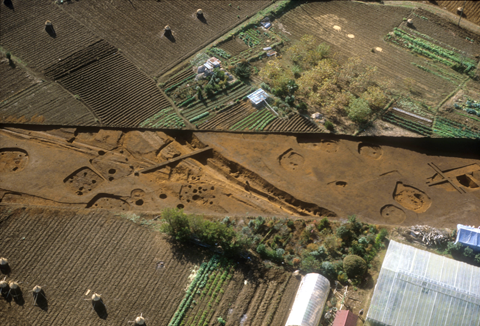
[243, 69]
[359, 110]
[354, 266]
[176, 224]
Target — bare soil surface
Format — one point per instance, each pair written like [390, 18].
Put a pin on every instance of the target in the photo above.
[243, 175]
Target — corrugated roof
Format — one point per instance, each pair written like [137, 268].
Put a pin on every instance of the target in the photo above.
[308, 305]
[345, 318]
[416, 287]
[258, 96]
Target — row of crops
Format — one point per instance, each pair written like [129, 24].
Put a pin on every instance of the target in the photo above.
[407, 123]
[471, 107]
[166, 118]
[199, 110]
[256, 121]
[452, 58]
[452, 129]
[203, 294]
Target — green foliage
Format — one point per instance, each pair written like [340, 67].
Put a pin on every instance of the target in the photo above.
[177, 224]
[343, 232]
[214, 51]
[221, 321]
[359, 110]
[329, 125]
[477, 258]
[324, 224]
[468, 252]
[327, 269]
[8, 55]
[354, 266]
[310, 264]
[243, 70]
[381, 236]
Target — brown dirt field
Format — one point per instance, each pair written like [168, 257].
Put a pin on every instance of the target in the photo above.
[295, 176]
[136, 27]
[45, 103]
[23, 33]
[471, 11]
[394, 64]
[68, 252]
[14, 80]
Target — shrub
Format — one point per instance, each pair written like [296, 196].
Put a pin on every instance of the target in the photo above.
[359, 110]
[343, 232]
[477, 258]
[290, 224]
[468, 252]
[354, 266]
[209, 88]
[324, 224]
[342, 277]
[243, 69]
[329, 125]
[221, 321]
[328, 270]
[177, 224]
[265, 87]
[381, 236]
[310, 264]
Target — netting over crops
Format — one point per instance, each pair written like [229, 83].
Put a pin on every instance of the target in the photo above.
[416, 287]
[311, 297]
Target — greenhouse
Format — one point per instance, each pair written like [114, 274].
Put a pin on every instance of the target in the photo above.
[416, 287]
[309, 301]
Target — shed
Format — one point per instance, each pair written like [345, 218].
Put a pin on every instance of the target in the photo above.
[417, 287]
[258, 96]
[345, 318]
[309, 301]
[468, 236]
[214, 62]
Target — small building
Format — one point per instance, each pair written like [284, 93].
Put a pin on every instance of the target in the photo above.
[345, 318]
[207, 67]
[309, 301]
[214, 62]
[468, 236]
[258, 96]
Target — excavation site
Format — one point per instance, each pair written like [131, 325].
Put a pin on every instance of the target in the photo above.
[239, 163]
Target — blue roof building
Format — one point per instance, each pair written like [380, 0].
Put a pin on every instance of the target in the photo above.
[468, 236]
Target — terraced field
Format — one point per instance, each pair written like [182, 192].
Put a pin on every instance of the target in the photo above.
[137, 27]
[23, 33]
[118, 93]
[471, 11]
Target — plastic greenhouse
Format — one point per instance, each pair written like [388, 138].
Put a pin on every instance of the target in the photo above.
[416, 287]
[311, 296]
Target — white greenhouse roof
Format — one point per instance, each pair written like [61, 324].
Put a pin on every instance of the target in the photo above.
[258, 96]
[308, 305]
[416, 287]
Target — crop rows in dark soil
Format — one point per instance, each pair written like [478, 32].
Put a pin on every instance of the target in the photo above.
[80, 59]
[165, 118]
[234, 46]
[46, 103]
[297, 123]
[471, 11]
[118, 93]
[14, 80]
[69, 252]
[213, 104]
[255, 121]
[409, 123]
[177, 78]
[23, 33]
[453, 129]
[137, 27]
[228, 117]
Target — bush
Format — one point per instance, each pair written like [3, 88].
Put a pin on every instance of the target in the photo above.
[328, 270]
[468, 252]
[354, 266]
[177, 224]
[221, 321]
[343, 232]
[209, 88]
[329, 125]
[324, 224]
[381, 236]
[359, 110]
[477, 258]
[243, 69]
[310, 264]
[265, 87]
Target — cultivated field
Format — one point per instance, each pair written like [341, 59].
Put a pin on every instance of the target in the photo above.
[471, 11]
[136, 27]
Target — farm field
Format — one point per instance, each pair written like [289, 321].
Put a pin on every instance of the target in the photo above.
[136, 28]
[471, 10]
